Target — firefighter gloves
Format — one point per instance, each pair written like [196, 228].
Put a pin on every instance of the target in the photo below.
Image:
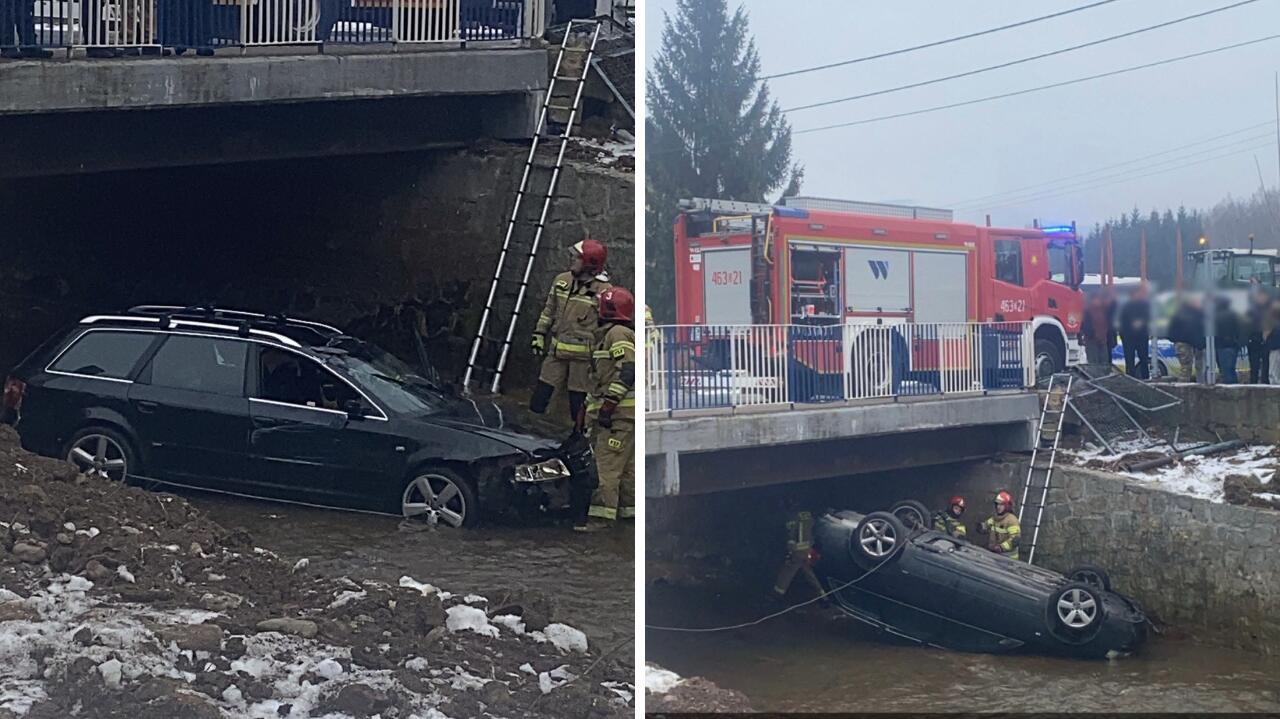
[605, 416]
[539, 344]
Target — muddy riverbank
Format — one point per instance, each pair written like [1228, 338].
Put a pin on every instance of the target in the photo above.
[118, 601]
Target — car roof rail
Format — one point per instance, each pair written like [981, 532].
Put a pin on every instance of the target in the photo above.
[212, 312]
[170, 322]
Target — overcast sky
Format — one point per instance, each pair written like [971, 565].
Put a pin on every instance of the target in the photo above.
[948, 158]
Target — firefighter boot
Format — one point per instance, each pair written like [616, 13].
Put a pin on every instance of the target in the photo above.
[541, 397]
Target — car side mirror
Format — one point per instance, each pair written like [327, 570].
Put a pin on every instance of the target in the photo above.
[354, 409]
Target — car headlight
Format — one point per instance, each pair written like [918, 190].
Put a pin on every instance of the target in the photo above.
[541, 471]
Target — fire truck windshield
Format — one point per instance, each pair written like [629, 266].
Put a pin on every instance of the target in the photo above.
[1060, 265]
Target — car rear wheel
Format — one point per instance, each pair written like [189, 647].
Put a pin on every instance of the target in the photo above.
[440, 496]
[911, 513]
[1075, 612]
[878, 538]
[103, 453]
[1091, 575]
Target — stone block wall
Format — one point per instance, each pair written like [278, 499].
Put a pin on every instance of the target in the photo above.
[1248, 412]
[362, 242]
[1210, 569]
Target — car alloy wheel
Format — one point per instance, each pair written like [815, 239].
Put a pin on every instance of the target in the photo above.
[878, 538]
[100, 456]
[912, 514]
[435, 498]
[1077, 609]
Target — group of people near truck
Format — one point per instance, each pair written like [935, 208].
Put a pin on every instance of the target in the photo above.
[586, 338]
[1000, 533]
[1256, 332]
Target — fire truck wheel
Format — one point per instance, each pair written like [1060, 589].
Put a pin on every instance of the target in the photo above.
[1049, 358]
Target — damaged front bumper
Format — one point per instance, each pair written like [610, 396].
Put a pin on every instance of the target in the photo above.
[562, 479]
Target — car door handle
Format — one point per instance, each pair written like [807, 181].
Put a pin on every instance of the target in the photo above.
[147, 407]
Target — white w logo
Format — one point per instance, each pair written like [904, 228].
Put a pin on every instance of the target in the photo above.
[879, 269]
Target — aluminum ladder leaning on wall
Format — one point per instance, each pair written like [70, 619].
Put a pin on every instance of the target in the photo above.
[1048, 432]
[524, 233]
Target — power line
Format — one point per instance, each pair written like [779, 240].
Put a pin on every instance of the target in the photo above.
[1048, 195]
[935, 43]
[1039, 88]
[1011, 63]
[1016, 196]
[1048, 183]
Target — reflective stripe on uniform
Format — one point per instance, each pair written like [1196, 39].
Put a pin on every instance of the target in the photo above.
[595, 404]
[627, 512]
[602, 512]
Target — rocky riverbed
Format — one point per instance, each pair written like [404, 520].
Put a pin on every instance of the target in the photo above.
[116, 600]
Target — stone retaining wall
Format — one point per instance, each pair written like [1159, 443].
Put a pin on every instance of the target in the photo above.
[1247, 412]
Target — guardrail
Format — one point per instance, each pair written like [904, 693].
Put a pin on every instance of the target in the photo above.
[206, 24]
[726, 366]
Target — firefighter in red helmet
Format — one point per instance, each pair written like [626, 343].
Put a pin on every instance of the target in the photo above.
[566, 328]
[611, 409]
[1002, 529]
[949, 520]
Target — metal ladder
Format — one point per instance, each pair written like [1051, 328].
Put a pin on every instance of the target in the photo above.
[524, 232]
[1048, 432]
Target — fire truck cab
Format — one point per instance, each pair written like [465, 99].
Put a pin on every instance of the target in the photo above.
[824, 262]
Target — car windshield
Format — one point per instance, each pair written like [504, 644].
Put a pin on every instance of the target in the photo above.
[390, 382]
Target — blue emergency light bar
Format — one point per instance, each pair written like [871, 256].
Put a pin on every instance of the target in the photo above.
[791, 212]
[1058, 230]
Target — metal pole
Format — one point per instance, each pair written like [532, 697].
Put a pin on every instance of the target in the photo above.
[1177, 281]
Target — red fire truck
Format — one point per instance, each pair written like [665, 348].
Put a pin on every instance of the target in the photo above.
[826, 262]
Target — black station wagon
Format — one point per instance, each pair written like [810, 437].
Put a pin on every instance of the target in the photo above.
[278, 408]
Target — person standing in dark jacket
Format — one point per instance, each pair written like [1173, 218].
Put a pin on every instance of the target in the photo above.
[1186, 332]
[1227, 335]
[1271, 331]
[1259, 308]
[1135, 334]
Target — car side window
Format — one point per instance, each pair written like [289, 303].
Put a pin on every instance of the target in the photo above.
[293, 379]
[1009, 261]
[104, 354]
[200, 364]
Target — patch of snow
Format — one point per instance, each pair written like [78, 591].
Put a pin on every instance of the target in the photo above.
[1269, 496]
[462, 618]
[562, 673]
[565, 638]
[660, 681]
[346, 597]
[125, 574]
[416, 664]
[9, 596]
[329, 669]
[1196, 475]
[111, 672]
[425, 589]
[625, 691]
[545, 683]
[474, 599]
[18, 696]
[463, 680]
[510, 621]
[528, 668]
[232, 694]
[300, 565]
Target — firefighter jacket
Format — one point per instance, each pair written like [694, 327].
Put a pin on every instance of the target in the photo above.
[1003, 532]
[569, 318]
[944, 522]
[799, 531]
[613, 365]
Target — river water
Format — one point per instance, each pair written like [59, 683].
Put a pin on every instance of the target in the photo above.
[591, 578]
[816, 660]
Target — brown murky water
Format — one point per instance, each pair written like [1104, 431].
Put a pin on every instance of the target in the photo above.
[813, 661]
[591, 577]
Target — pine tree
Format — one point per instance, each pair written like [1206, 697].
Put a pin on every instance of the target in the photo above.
[712, 130]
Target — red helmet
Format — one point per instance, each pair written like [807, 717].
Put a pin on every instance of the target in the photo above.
[1004, 498]
[957, 501]
[593, 254]
[617, 305]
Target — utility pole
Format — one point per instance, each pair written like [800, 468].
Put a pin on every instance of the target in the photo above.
[1177, 272]
[1142, 256]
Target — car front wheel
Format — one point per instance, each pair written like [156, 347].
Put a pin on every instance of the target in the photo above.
[1075, 612]
[102, 453]
[878, 538]
[440, 496]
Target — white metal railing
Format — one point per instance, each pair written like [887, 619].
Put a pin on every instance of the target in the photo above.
[179, 23]
[726, 366]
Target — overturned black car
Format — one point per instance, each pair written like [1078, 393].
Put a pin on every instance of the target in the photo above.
[278, 408]
[930, 588]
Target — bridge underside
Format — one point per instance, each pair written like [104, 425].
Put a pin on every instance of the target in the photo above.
[722, 453]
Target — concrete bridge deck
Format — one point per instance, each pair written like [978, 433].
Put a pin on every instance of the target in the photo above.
[720, 452]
